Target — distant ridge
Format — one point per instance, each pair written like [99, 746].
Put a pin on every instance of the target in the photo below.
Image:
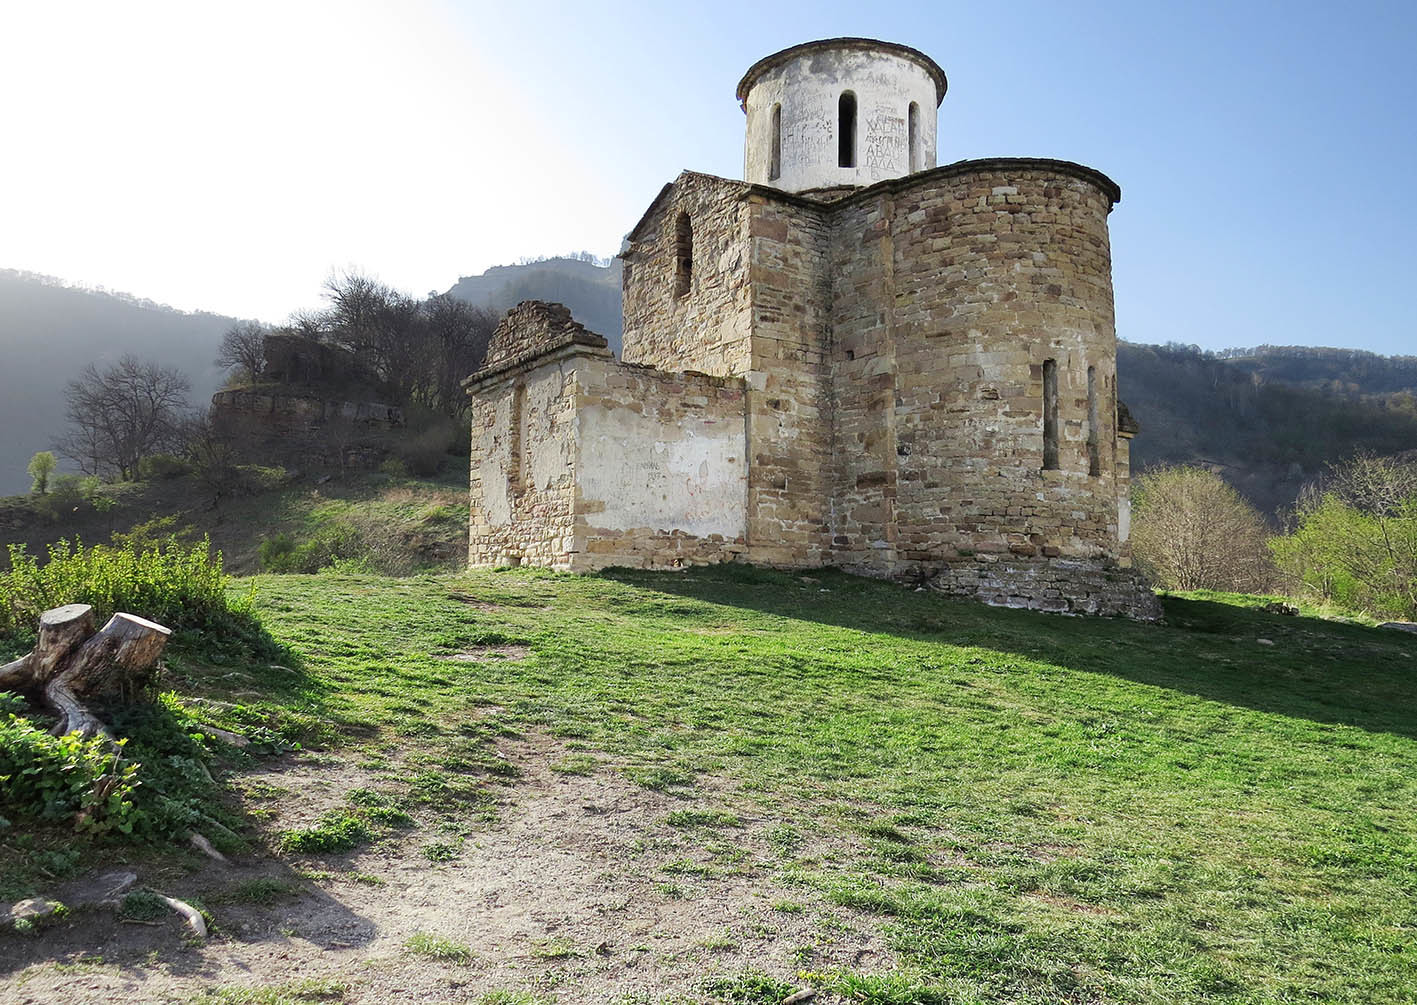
[50, 330]
[589, 289]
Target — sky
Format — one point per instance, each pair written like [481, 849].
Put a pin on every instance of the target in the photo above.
[228, 157]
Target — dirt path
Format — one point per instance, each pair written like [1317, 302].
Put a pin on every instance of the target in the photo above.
[579, 891]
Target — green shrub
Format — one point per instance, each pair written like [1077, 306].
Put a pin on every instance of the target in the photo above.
[283, 553]
[162, 466]
[337, 830]
[62, 779]
[142, 905]
[156, 784]
[1355, 544]
[276, 553]
[177, 584]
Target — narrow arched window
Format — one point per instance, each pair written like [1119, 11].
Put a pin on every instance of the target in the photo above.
[1094, 437]
[913, 119]
[683, 255]
[775, 151]
[846, 130]
[1050, 415]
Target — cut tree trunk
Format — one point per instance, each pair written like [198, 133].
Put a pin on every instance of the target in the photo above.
[72, 664]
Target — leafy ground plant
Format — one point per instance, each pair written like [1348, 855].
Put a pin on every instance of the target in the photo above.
[337, 831]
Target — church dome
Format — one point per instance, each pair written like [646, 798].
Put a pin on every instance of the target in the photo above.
[839, 112]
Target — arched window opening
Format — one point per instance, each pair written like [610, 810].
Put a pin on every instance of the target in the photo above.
[1050, 415]
[913, 119]
[775, 154]
[683, 255]
[1094, 437]
[846, 130]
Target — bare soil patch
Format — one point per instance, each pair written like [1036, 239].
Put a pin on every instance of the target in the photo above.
[482, 654]
[581, 891]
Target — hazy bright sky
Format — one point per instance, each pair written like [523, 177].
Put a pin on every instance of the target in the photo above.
[227, 156]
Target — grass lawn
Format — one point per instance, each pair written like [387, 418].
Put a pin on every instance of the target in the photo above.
[1037, 808]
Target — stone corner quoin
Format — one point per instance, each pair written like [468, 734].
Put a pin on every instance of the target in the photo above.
[852, 358]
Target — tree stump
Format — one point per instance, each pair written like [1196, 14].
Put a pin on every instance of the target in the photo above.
[72, 663]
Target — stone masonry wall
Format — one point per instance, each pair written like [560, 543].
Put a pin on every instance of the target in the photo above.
[707, 328]
[580, 462]
[864, 374]
[1023, 275]
[1059, 585]
[789, 403]
[533, 328]
[522, 488]
[951, 292]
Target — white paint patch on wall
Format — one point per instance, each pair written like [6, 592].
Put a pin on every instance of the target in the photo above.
[548, 448]
[694, 482]
[541, 433]
[496, 500]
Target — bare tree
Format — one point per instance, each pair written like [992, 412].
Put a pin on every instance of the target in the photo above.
[421, 350]
[1192, 531]
[213, 448]
[378, 324]
[457, 335]
[243, 347]
[1383, 487]
[121, 414]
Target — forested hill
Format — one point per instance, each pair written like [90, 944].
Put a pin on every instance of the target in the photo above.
[49, 332]
[1268, 419]
[591, 290]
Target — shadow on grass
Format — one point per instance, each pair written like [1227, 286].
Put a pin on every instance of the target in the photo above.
[1323, 671]
[267, 902]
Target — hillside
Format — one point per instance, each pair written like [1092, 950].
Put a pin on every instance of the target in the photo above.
[365, 518]
[49, 332]
[591, 291]
[722, 785]
[1268, 419]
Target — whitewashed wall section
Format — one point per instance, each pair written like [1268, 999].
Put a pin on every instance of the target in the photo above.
[690, 478]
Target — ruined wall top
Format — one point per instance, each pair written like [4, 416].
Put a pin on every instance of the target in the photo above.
[840, 112]
[530, 329]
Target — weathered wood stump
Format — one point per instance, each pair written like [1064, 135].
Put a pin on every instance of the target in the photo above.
[73, 662]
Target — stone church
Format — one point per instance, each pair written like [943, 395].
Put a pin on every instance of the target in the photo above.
[852, 358]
